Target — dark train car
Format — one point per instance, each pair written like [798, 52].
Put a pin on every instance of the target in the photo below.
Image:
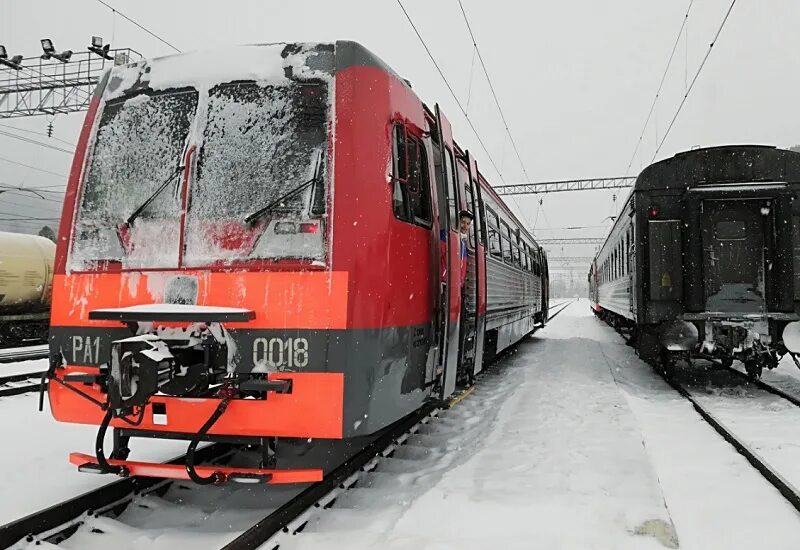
[702, 261]
[262, 244]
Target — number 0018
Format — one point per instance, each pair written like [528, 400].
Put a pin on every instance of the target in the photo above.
[278, 353]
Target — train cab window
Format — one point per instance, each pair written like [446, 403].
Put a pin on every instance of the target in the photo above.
[411, 194]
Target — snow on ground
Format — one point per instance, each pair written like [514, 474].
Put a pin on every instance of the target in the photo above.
[570, 443]
[35, 457]
[545, 454]
[22, 367]
[715, 497]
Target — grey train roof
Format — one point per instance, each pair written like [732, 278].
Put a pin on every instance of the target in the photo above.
[723, 164]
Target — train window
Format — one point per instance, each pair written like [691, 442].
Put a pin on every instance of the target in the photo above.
[494, 243]
[506, 244]
[452, 196]
[469, 197]
[411, 194]
[796, 255]
[515, 256]
[731, 230]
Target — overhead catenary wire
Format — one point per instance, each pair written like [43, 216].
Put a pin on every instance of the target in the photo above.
[139, 25]
[33, 167]
[36, 142]
[452, 92]
[694, 79]
[494, 93]
[27, 131]
[660, 86]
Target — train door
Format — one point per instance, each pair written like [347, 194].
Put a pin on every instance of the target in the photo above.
[449, 295]
[473, 306]
[733, 254]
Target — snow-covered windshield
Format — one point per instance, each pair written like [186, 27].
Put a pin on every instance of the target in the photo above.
[138, 147]
[262, 148]
[261, 143]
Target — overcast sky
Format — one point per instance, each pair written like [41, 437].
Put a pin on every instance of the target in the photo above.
[575, 78]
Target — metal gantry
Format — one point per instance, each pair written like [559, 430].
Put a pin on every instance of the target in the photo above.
[52, 86]
[539, 187]
[567, 260]
[571, 240]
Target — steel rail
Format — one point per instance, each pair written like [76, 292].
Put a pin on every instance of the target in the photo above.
[11, 355]
[59, 521]
[17, 390]
[783, 486]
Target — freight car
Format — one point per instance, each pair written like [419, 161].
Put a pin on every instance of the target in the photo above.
[26, 274]
[262, 244]
[703, 260]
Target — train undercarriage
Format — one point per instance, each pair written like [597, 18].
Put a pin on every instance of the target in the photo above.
[718, 339]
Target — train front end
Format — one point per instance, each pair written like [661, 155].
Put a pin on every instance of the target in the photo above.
[193, 295]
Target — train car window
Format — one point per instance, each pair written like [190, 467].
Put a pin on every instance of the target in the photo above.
[506, 244]
[732, 230]
[796, 255]
[411, 194]
[452, 196]
[515, 255]
[470, 201]
[494, 233]
[494, 243]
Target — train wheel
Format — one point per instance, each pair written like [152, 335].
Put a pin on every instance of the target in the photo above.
[753, 369]
[665, 365]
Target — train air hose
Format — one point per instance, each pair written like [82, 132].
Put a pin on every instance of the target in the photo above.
[98, 447]
[215, 477]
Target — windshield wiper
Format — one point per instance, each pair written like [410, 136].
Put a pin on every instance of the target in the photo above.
[151, 198]
[261, 211]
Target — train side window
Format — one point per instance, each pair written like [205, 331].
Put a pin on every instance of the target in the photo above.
[411, 194]
[494, 234]
[506, 242]
[452, 196]
[515, 256]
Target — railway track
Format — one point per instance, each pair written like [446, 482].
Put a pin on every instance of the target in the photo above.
[58, 522]
[12, 355]
[17, 384]
[784, 487]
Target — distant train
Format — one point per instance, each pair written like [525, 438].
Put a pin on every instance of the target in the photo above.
[270, 244]
[704, 259]
[26, 277]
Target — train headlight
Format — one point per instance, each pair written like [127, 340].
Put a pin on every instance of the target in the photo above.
[791, 336]
[678, 335]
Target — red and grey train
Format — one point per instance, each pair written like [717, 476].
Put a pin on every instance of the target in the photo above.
[250, 251]
[703, 260]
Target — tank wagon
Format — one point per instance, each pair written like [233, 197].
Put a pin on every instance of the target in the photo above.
[261, 244]
[703, 260]
[26, 275]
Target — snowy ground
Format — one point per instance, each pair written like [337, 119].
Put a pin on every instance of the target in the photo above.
[23, 367]
[571, 442]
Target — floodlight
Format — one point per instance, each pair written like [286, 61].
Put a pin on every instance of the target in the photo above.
[98, 48]
[14, 62]
[47, 47]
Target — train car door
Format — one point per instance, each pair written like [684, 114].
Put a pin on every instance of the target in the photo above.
[450, 295]
[473, 310]
[733, 255]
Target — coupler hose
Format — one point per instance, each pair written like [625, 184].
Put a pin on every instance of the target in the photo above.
[216, 477]
[98, 447]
